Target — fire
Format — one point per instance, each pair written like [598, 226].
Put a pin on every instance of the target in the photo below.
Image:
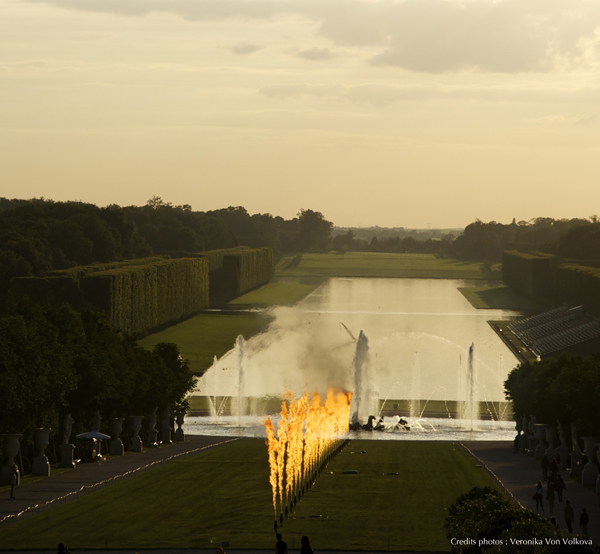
[308, 432]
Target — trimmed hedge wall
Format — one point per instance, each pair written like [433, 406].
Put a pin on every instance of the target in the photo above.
[242, 271]
[214, 257]
[141, 298]
[80, 271]
[249, 269]
[579, 286]
[142, 295]
[531, 274]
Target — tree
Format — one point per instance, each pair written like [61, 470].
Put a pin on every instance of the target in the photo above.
[315, 231]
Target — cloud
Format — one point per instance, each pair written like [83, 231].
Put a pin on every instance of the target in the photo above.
[287, 91]
[381, 95]
[589, 120]
[432, 36]
[316, 54]
[245, 48]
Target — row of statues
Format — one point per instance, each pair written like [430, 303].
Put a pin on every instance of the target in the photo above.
[41, 465]
[539, 440]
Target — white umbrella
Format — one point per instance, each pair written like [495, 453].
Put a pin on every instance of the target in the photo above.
[93, 435]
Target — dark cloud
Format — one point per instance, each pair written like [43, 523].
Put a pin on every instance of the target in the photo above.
[245, 48]
[316, 54]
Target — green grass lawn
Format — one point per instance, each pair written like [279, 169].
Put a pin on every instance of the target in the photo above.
[207, 335]
[222, 494]
[277, 293]
[372, 264]
[499, 298]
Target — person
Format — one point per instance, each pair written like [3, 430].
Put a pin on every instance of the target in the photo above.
[537, 496]
[569, 516]
[560, 487]
[584, 519]
[62, 549]
[13, 482]
[550, 495]
[305, 548]
[280, 545]
[545, 468]
[554, 522]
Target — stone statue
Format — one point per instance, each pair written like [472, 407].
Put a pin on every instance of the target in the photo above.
[562, 452]
[574, 439]
[152, 432]
[96, 422]
[68, 426]
[576, 457]
[166, 426]
[152, 423]
[561, 433]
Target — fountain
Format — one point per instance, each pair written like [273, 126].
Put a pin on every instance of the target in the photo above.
[470, 410]
[239, 347]
[419, 373]
[414, 406]
[364, 401]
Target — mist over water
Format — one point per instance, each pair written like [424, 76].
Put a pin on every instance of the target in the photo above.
[419, 335]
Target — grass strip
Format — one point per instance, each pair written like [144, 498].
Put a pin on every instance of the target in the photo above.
[499, 297]
[372, 264]
[207, 335]
[276, 293]
[222, 495]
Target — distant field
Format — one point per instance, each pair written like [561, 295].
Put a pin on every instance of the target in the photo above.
[205, 336]
[222, 494]
[498, 298]
[371, 264]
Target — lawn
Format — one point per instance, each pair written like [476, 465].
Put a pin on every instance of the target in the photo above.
[278, 293]
[371, 264]
[499, 298]
[207, 335]
[222, 495]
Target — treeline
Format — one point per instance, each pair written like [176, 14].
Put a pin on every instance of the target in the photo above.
[56, 360]
[369, 233]
[395, 244]
[564, 389]
[568, 238]
[40, 236]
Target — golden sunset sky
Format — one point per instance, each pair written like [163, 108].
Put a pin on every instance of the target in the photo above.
[375, 112]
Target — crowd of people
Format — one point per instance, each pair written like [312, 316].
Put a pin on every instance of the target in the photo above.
[555, 487]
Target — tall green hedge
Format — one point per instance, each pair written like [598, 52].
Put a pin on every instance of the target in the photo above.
[144, 294]
[579, 286]
[242, 271]
[80, 271]
[531, 274]
[141, 298]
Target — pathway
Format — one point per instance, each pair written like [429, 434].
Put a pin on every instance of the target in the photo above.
[36, 496]
[519, 473]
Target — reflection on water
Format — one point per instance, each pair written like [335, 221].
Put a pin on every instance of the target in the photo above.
[419, 335]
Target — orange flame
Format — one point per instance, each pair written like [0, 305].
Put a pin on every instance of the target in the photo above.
[307, 433]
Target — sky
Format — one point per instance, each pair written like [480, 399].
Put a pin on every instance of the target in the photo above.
[409, 113]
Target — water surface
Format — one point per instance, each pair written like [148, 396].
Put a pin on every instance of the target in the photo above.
[419, 333]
